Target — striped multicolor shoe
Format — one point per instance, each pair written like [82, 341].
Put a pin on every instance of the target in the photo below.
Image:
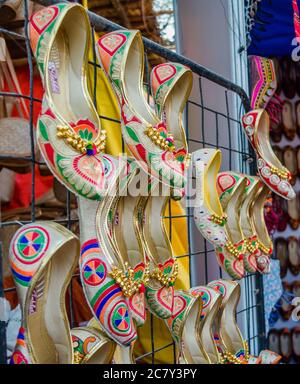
[43, 257]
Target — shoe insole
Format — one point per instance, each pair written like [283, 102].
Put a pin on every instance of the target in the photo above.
[124, 228]
[62, 265]
[133, 82]
[293, 251]
[65, 72]
[210, 192]
[229, 332]
[43, 347]
[287, 117]
[293, 209]
[247, 224]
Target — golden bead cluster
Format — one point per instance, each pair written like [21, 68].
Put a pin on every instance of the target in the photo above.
[165, 279]
[232, 249]
[251, 248]
[217, 219]
[282, 174]
[125, 279]
[78, 143]
[161, 142]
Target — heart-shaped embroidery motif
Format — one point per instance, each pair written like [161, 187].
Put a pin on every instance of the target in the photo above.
[137, 305]
[179, 305]
[42, 19]
[165, 296]
[164, 72]
[225, 182]
[112, 43]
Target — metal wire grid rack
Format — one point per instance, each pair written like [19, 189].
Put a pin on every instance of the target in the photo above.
[206, 126]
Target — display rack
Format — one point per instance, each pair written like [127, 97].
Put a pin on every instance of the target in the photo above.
[228, 136]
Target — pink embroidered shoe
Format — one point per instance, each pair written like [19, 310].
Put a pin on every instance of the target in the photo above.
[209, 216]
[69, 132]
[231, 256]
[256, 125]
[146, 136]
[43, 257]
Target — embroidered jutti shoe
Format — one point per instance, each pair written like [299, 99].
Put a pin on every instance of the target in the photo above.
[122, 354]
[183, 324]
[162, 265]
[257, 125]
[171, 85]
[247, 225]
[43, 257]
[208, 349]
[91, 346]
[121, 54]
[125, 237]
[69, 132]
[269, 357]
[234, 347]
[209, 216]
[104, 279]
[231, 256]
[249, 234]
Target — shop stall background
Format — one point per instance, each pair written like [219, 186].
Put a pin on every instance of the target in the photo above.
[212, 119]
